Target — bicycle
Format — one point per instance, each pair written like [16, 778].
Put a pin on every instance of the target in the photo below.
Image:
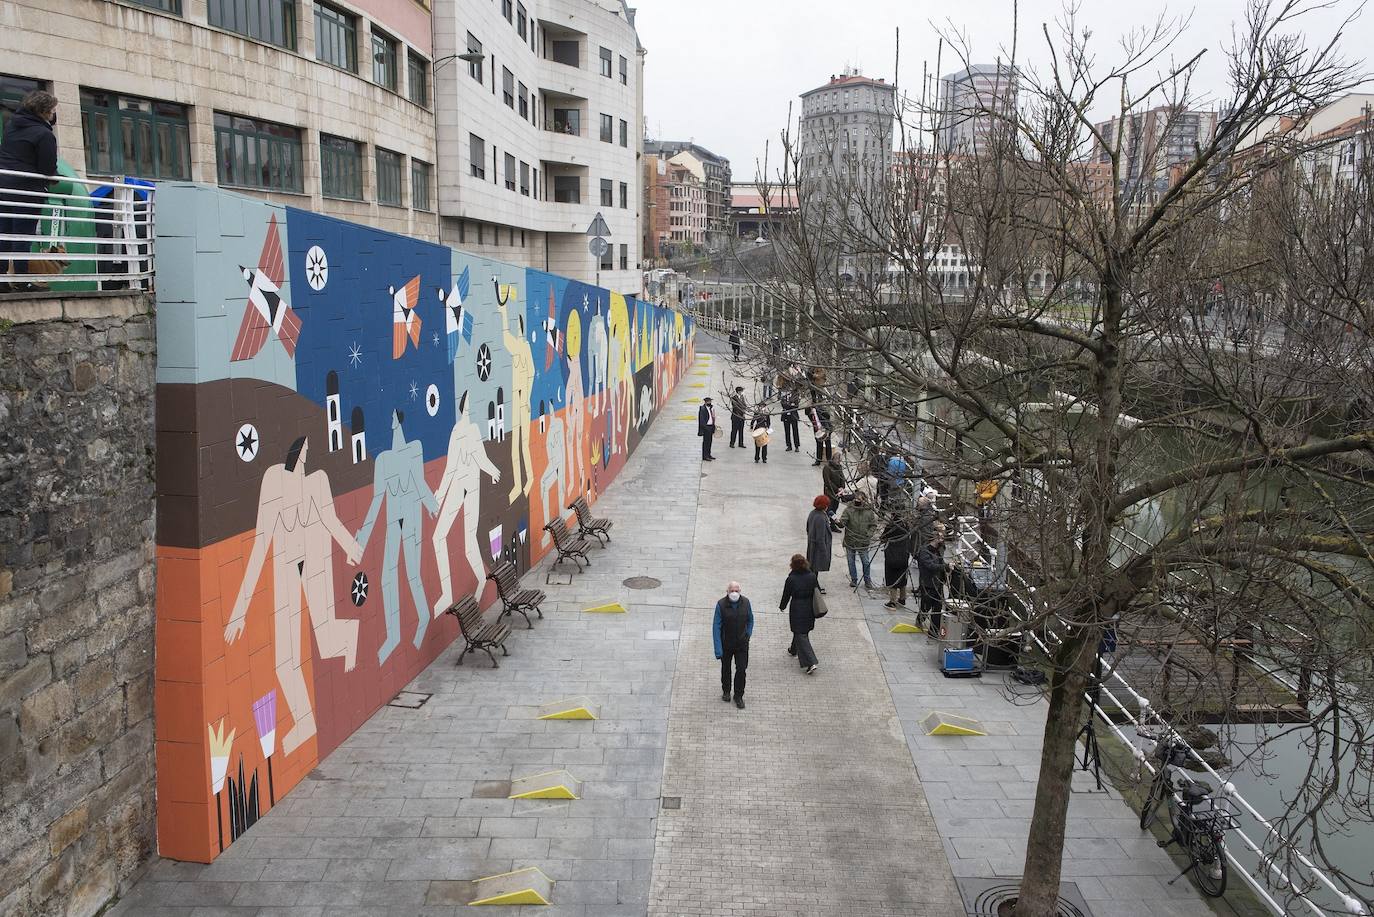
[1198, 820]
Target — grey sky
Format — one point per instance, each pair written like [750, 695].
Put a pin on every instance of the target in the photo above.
[722, 72]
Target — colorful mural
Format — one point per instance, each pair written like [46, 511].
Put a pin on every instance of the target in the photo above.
[353, 427]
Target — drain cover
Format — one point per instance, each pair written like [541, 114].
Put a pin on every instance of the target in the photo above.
[411, 700]
[983, 897]
[671, 802]
[642, 582]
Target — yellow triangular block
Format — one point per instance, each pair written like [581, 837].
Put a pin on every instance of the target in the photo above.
[523, 886]
[901, 627]
[550, 785]
[687, 417]
[696, 385]
[524, 896]
[574, 708]
[947, 724]
[691, 401]
[614, 608]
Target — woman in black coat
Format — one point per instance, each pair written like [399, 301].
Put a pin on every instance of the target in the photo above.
[798, 597]
[819, 539]
[29, 145]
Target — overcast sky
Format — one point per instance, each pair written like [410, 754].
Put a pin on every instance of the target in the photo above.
[722, 72]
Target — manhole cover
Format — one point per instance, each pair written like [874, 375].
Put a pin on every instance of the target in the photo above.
[411, 700]
[642, 582]
[985, 897]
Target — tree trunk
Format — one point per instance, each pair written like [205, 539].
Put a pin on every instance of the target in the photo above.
[1039, 893]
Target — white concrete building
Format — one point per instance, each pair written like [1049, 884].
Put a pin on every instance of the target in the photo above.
[972, 104]
[541, 132]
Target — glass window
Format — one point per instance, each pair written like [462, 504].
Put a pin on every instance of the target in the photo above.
[477, 153]
[417, 74]
[510, 172]
[567, 52]
[624, 257]
[567, 189]
[272, 21]
[525, 179]
[608, 259]
[336, 38]
[606, 128]
[624, 71]
[251, 153]
[535, 192]
[606, 62]
[420, 178]
[12, 92]
[523, 94]
[521, 19]
[126, 135]
[475, 67]
[389, 177]
[166, 6]
[384, 49]
[624, 133]
[507, 9]
[567, 121]
[341, 168]
[624, 196]
[607, 193]
[508, 87]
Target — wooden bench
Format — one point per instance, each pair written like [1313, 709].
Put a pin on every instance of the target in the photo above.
[588, 524]
[568, 545]
[479, 634]
[513, 598]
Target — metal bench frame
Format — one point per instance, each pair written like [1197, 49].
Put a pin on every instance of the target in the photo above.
[598, 528]
[513, 598]
[569, 546]
[478, 633]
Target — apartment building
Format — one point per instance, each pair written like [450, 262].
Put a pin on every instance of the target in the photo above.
[540, 105]
[1151, 143]
[715, 171]
[322, 105]
[973, 103]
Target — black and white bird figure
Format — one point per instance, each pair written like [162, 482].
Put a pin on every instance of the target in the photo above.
[266, 312]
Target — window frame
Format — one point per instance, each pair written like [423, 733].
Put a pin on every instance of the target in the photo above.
[475, 66]
[624, 195]
[508, 11]
[508, 88]
[624, 256]
[338, 151]
[606, 57]
[478, 162]
[233, 16]
[525, 178]
[389, 66]
[624, 70]
[417, 72]
[424, 172]
[625, 133]
[161, 6]
[391, 156]
[522, 18]
[345, 21]
[607, 128]
[285, 138]
[522, 92]
[577, 195]
[122, 125]
[607, 192]
[508, 171]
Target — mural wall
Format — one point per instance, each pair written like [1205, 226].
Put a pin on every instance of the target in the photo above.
[353, 427]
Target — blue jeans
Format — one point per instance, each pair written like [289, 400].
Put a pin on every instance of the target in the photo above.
[866, 556]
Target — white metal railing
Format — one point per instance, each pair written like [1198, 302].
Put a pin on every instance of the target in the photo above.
[1145, 717]
[78, 238]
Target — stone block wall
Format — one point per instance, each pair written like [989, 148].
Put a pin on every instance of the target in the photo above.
[76, 600]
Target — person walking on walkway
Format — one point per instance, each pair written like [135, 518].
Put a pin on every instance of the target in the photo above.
[758, 431]
[735, 341]
[706, 427]
[926, 517]
[731, 629]
[819, 418]
[931, 567]
[738, 407]
[897, 550]
[790, 418]
[30, 145]
[859, 523]
[819, 538]
[799, 597]
[832, 482]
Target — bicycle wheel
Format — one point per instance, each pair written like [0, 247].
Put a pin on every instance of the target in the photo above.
[1149, 813]
[1209, 863]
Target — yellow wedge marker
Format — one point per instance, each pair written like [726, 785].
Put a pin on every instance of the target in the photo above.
[687, 417]
[691, 401]
[523, 886]
[947, 724]
[614, 608]
[901, 627]
[550, 785]
[574, 708]
[696, 385]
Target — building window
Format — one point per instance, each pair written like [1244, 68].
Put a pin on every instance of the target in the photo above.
[341, 168]
[567, 121]
[165, 6]
[507, 9]
[606, 127]
[389, 177]
[475, 67]
[420, 176]
[521, 19]
[258, 154]
[567, 189]
[508, 87]
[624, 133]
[126, 135]
[525, 179]
[606, 62]
[607, 193]
[272, 21]
[12, 92]
[608, 259]
[417, 74]
[336, 38]
[624, 71]
[567, 52]
[624, 196]
[522, 93]
[384, 55]
[535, 191]
[510, 172]
[624, 257]
[477, 152]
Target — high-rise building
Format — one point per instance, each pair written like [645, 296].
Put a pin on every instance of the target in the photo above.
[1150, 144]
[973, 102]
[715, 172]
[539, 131]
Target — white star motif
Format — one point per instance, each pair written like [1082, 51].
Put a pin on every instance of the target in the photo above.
[586, 300]
[436, 339]
[414, 391]
[316, 268]
[355, 355]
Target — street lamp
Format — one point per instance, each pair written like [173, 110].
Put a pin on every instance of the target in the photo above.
[467, 57]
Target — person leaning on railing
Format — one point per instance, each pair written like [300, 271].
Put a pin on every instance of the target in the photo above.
[29, 145]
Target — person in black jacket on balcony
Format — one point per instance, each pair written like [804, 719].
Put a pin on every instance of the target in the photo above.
[29, 145]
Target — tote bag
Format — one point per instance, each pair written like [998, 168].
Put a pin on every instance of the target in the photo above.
[819, 608]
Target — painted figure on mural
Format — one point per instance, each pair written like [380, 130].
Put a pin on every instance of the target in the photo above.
[577, 424]
[399, 478]
[522, 386]
[460, 492]
[615, 379]
[597, 347]
[296, 520]
[555, 476]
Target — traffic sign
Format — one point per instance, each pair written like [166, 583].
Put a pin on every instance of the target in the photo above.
[598, 246]
[598, 227]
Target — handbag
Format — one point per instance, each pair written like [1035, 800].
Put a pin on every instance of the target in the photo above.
[819, 608]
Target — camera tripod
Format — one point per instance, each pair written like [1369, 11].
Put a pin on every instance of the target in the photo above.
[1091, 758]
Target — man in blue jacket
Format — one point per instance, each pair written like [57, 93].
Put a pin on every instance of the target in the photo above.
[731, 629]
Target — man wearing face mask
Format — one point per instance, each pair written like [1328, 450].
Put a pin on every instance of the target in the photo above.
[731, 630]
